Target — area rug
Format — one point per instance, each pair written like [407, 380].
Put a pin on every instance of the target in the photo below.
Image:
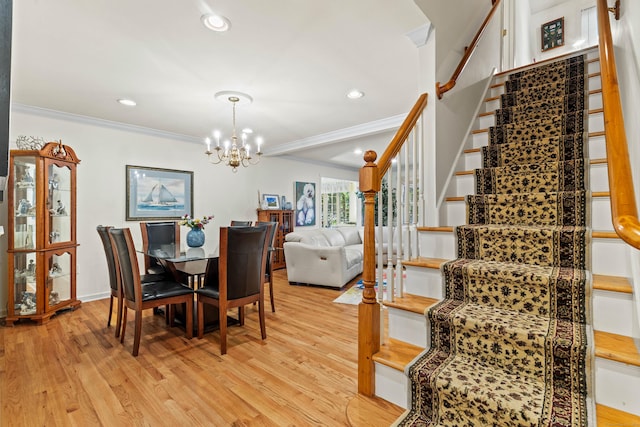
[353, 295]
[511, 342]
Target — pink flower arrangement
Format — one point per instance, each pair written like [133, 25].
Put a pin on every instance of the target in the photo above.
[195, 223]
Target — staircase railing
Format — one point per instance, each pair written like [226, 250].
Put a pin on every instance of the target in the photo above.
[624, 213]
[408, 199]
[441, 89]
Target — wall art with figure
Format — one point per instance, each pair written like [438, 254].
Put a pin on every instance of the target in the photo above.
[305, 196]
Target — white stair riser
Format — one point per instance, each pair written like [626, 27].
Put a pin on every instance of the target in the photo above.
[438, 245]
[613, 312]
[617, 385]
[601, 214]
[424, 282]
[596, 123]
[597, 147]
[610, 257]
[408, 326]
[391, 385]
[492, 105]
[484, 122]
[473, 160]
[480, 139]
[464, 185]
[595, 101]
[593, 67]
[454, 213]
[598, 179]
[496, 91]
[595, 82]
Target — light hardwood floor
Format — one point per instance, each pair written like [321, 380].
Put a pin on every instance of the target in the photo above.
[73, 371]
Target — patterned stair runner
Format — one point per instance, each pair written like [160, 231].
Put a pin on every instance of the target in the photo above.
[511, 341]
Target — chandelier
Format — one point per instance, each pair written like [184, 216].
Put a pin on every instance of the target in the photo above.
[233, 153]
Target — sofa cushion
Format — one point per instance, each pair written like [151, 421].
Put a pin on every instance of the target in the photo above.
[354, 256]
[351, 235]
[315, 239]
[333, 236]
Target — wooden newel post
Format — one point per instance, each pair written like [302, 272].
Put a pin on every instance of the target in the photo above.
[368, 309]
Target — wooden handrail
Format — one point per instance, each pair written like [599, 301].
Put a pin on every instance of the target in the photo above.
[401, 135]
[440, 90]
[624, 213]
[369, 309]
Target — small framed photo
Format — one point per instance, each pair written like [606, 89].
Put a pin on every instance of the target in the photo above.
[154, 193]
[552, 34]
[270, 201]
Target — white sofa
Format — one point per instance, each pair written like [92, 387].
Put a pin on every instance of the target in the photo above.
[330, 256]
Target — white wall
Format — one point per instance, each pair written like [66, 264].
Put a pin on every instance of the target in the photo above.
[570, 10]
[105, 150]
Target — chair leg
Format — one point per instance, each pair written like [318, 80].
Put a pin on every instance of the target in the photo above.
[119, 317]
[273, 307]
[189, 322]
[110, 310]
[200, 319]
[222, 319]
[263, 328]
[241, 315]
[124, 323]
[138, 332]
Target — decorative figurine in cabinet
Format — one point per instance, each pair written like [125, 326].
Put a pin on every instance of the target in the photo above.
[42, 232]
[284, 217]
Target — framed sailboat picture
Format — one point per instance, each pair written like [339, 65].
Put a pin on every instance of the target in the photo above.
[154, 193]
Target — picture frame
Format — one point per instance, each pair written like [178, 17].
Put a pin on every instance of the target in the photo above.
[155, 193]
[552, 34]
[305, 203]
[270, 201]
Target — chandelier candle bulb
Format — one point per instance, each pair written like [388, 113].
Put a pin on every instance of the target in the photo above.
[208, 141]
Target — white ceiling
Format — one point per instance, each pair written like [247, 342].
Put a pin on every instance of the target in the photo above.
[297, 59]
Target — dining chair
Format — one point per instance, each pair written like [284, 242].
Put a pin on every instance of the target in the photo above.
[139, 298]
[235, 279]
[103, 232]
[235, 223]
[158, 235]
[268, 277]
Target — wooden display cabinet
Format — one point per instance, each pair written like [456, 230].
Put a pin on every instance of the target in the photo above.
[285, 225]
[41, 232]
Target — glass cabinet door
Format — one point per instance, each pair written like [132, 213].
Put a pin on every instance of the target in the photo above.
[24, 282]
[59, 203]
[58, 278]
[24, 196]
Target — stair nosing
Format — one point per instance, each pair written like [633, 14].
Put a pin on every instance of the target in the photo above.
[380, 356]
[618, 348]
[610, 283]
[411, 306]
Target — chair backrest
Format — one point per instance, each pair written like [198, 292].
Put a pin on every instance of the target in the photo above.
[103, 232]
[127, 264]
[235, 223]
[271, 238]
[242, 263]
[159, 235]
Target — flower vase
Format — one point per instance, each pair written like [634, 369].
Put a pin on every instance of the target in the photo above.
[195, 238]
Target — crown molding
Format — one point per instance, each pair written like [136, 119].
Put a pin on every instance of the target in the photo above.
[358, 131]
[78, 118]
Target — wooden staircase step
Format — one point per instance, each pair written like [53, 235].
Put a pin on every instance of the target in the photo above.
[487, 113]
[455, 199]
[478, 131]
[591, 61]
[612, 283]
[472, 150]
[496, 85]
[594, 134]
[413, 303]
[618, 348]
[444, 229]
[424, 262]
[609, 417]
[493, 98]
[598, 161]
[596, 74]
[601, 194]
[396, 354]
[462, 173]
[595, 91]
[604, 235]
[596, 111]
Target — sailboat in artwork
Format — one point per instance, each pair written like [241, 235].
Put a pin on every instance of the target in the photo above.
[159, 197]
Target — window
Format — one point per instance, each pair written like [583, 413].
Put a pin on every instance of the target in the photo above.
[339, 202]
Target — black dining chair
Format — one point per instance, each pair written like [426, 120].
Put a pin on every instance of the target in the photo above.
[268, 278]
[137, 297]
[236, 278]
[103, 232]
[235, 223]
[164, 235]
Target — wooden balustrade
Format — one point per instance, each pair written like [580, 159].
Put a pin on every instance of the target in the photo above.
[624, 213]
[369, 321]
[441, 89]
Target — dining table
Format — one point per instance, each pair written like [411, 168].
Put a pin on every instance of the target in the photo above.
[188, 265]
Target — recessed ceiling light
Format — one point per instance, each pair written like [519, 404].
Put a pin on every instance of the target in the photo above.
[127, 102]
[357, 151]
[355, 94]
[217, 23]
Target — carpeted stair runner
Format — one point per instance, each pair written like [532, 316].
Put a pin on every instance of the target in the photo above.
[510, 343]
